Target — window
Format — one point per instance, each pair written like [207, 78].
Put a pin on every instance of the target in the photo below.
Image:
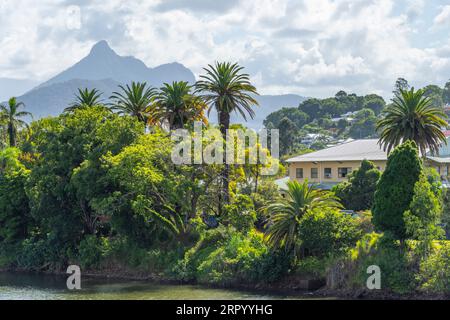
[327, 173]
[314, 173]
[299, 173]
[344, 172]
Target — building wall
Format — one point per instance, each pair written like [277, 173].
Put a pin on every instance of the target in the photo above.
[442, 168]
[333, 165]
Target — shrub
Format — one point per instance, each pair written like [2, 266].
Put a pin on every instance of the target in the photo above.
[313, 266]
[91, 251]
[424, 215]
[240, 213]
[375, 249]
[395, 189]
[323, 233]
[38, 254]
[158, 261]
[232, 258]
[364, 220]
[358, 193]
[435, 270]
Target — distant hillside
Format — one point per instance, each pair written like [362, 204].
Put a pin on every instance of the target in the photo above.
[14, 87]
[267, 105]
[51, 100]
[103, 63]
[104, 70]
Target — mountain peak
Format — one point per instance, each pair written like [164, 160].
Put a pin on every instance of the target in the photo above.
[102, 47]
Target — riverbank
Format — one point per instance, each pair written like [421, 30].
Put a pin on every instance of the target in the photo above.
[289, 286]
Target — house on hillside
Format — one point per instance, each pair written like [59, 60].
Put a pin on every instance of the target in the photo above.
[331, 166]
[441, 162]
[328, 167]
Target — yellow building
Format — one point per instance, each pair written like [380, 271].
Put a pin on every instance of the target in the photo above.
[331, 166]
[328, 167]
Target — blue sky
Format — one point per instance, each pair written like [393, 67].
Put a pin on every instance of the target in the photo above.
[313, 48]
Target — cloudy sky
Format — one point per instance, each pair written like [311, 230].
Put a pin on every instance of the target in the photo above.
[310, 47]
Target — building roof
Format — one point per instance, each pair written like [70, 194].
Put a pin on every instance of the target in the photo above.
[439, 159]
[282, 184]
[356, 150]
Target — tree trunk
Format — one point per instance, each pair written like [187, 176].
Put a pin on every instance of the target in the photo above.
[12, 135]
[224, 121]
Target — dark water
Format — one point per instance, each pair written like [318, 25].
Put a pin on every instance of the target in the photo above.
[43, 287]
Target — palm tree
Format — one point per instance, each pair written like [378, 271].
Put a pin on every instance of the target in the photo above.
[225, 88]
[11, 115]
[135, 100]
[412, 116]
[285, 215]
[178, 106]
[85, 99]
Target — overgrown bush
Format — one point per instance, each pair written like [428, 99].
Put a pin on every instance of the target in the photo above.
[91, 251]
[240, 213]
[358, 192]
[435, 270]
[227, 257]
[126, 254]
[42, 254]
[397, 267]
[324, 233]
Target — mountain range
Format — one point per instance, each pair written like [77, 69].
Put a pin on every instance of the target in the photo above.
[104, 70]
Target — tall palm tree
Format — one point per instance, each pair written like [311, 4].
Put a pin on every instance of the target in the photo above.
[285, 215]
[135, 100]
[225, 88]
[412, 116]
[11, 115]
[84, 99]
[178, 106]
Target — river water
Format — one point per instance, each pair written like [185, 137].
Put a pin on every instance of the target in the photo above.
[44, 287]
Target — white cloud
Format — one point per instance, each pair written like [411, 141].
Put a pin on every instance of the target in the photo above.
[312, 48]
[443, 17]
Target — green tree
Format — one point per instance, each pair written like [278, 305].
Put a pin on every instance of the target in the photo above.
[178, 106]
[328, 232]
[225, 88]
[11, 116]
[149, 201]
[294, 114]
[285, 215]
[446, 210]
[446, 93]
[312, 107]
[288, 132]
[423, 216]
[364, 125]
[135, 101]
[85, 99]
[375, 103]
[358, 193]
[401, 85]
[15, 219]
[67, 176]
[395, 190]
[412, 117]
[435, 93]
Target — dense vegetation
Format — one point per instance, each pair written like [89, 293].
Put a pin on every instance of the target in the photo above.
[96, 186]
[351, 116]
